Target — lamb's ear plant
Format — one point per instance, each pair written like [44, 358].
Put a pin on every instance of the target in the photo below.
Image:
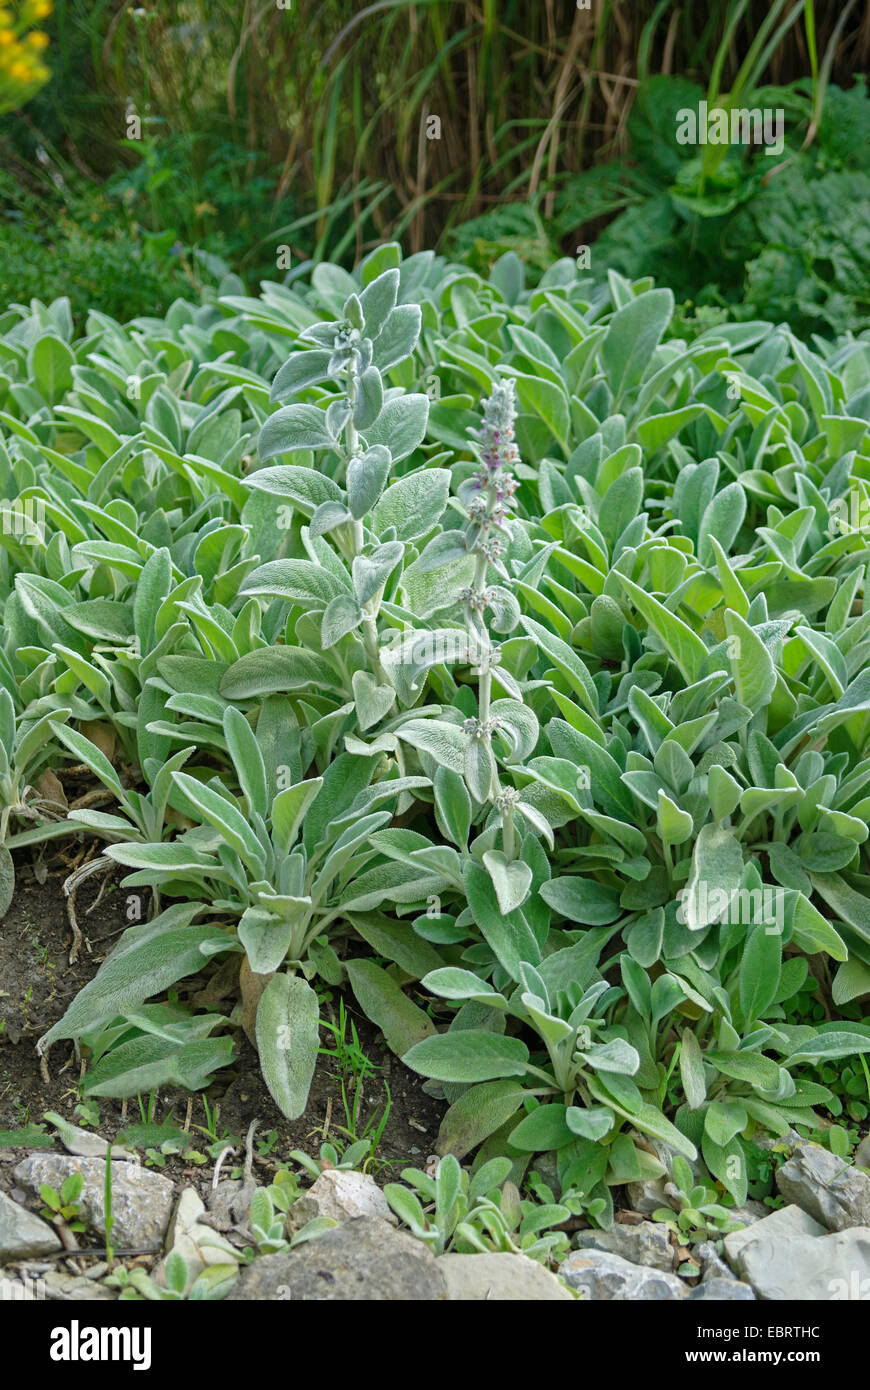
[267, 1219]
[478, 1211]
[329, 1156]
[501, 730]
[25, 750]
[545, 733]
[697, 1215]
[350, 549]
[277, 865]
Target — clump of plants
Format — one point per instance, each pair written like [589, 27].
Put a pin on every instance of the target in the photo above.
[496, 653]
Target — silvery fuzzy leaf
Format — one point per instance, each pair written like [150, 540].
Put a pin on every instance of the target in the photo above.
[266, 938]
[518, 727]
[378, 300]
[415, 504]
[504, 608]
[373, 702]
[353, 312]
[337, 415]
[294, 427]
[511, 881]
[342, 615]
[327, 517]
[370, 398]
[445, 743]
[443, 549]
[406, 656]
[304, 488]
[400, 424]
[288, 1038]
[297, 581]
[398, 337]
[367, 474]
[479, 767]
[371, 572]
[323, 334]
[301, 370]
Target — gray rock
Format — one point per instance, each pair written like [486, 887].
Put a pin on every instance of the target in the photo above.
[780, 1227]
[188, 1209]
[603, 1277]
[721, 1290]
[862, 1153]
[826, 1187]
[362, 1260]
[181, 1238]
[711, 1262]
[828, 1268]
[790, 1140]
[71, 1288]
[23, 1235]
[225, 1204]
[341, 1194]
[141, 1200]
[749, 1213]
[646, 1244]
[83, 1143]
[648, 1197]
[499, 1277]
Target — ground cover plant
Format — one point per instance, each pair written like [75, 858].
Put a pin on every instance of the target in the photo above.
[498, 653]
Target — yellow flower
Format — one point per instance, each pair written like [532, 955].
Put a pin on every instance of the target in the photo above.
[6, 37]
[37, 40]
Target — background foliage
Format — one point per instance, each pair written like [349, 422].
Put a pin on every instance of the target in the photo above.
[305, 127]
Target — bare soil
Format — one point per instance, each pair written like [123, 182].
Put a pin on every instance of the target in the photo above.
[37, 983]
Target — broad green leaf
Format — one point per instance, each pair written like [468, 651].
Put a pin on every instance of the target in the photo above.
[479, 1112]
[288, 1039]
[468, 1055]
[402, 1023]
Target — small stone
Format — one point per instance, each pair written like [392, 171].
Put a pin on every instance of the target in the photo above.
[603, 1277]
[646, 1244]
[73, 1288]
[711, 1262]
[721, 1290]
[222, 1204]
[862, 1153]
[22, 1234]
[828, 1188]
[83, 1143]
[141, 1200]
[342, 1194]
[199, 1247]
[363, 1260]
[648, 1197]
[188, 1209]
[499, 1277]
